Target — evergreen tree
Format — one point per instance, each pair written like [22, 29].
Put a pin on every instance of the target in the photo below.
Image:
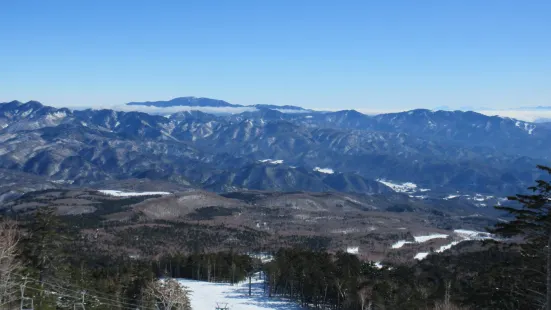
[533, 223]
[43, 248]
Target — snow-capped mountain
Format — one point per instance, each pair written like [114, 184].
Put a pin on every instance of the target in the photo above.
[314, 151]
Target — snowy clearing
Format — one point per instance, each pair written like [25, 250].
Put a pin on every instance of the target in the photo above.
[400, 244]
[130, 194]
[324, 170]
[430, 237]
[421, 255]
[272, 161]
[463, 235]
[353, 250]
[206, 295]
[406, 187]
[418, 239]
[473, 234]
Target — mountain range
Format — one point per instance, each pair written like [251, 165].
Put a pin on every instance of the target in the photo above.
[268, 149]
[208, 102]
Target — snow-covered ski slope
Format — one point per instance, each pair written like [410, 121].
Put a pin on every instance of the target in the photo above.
[206, 295]
[115, 193]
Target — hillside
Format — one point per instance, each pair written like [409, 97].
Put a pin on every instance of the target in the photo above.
[345, 151]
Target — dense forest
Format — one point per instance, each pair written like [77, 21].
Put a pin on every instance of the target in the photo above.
[44, 259]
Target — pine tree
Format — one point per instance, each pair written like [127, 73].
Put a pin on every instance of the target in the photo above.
[533, 223]
[43, 247]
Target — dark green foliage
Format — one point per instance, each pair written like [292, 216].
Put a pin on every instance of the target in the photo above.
[208, 213]
[400, 208]
[43, 244]
[484, 279]
[185, 237]
[532, 222]
[103, 207]
[316, 243]
[213, 267]
[533, 218]
[57, 260]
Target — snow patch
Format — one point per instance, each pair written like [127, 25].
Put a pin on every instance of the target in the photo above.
[418, 239]
[451, 197]
[463, 235]
[27, 113]
[324, 170]
[353, 250]
[421, 255]
[272, 161]
[406, 187]
[130, 194]
[56, 116]
[529, 128]
[264, 257]
[400, 244]
[473, 234]
[63, 181]
[206, 295]
[426, 238]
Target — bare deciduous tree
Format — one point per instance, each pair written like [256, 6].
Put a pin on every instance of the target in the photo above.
[170, 295]
[365, 295]
[447, 304]
[9, 265]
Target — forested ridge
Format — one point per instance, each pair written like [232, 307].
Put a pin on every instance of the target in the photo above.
[47, 260]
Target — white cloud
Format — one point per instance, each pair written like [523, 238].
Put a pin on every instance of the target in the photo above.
[523, 115]
[289, 111]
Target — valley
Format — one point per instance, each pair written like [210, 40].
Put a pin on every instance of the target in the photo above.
[153, 223]
[264, 149]
[175, 193]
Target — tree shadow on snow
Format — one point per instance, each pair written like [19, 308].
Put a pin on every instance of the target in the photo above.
[258, 299]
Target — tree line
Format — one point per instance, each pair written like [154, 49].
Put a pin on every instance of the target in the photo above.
[46, 261]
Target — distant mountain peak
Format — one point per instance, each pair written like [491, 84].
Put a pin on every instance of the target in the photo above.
[192, 101]
[187, 101]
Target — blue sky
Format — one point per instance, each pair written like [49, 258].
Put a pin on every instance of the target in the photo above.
[367, 55]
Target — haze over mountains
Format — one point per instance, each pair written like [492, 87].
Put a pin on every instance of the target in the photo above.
[266, 149]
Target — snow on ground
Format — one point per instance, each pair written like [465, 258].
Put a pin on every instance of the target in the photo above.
[473, 234]
[421, 255]
[476, 198]
[264, 257]
[130, 194]
[451, 197]
[462, 235]
[527, 127]
[63, 181]
[378, 265]
[430, 237]
[418, 239]
[406, 187]
[206, 295]
[272, 161]
[324, 170]
[400, 244]
[353, 250]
